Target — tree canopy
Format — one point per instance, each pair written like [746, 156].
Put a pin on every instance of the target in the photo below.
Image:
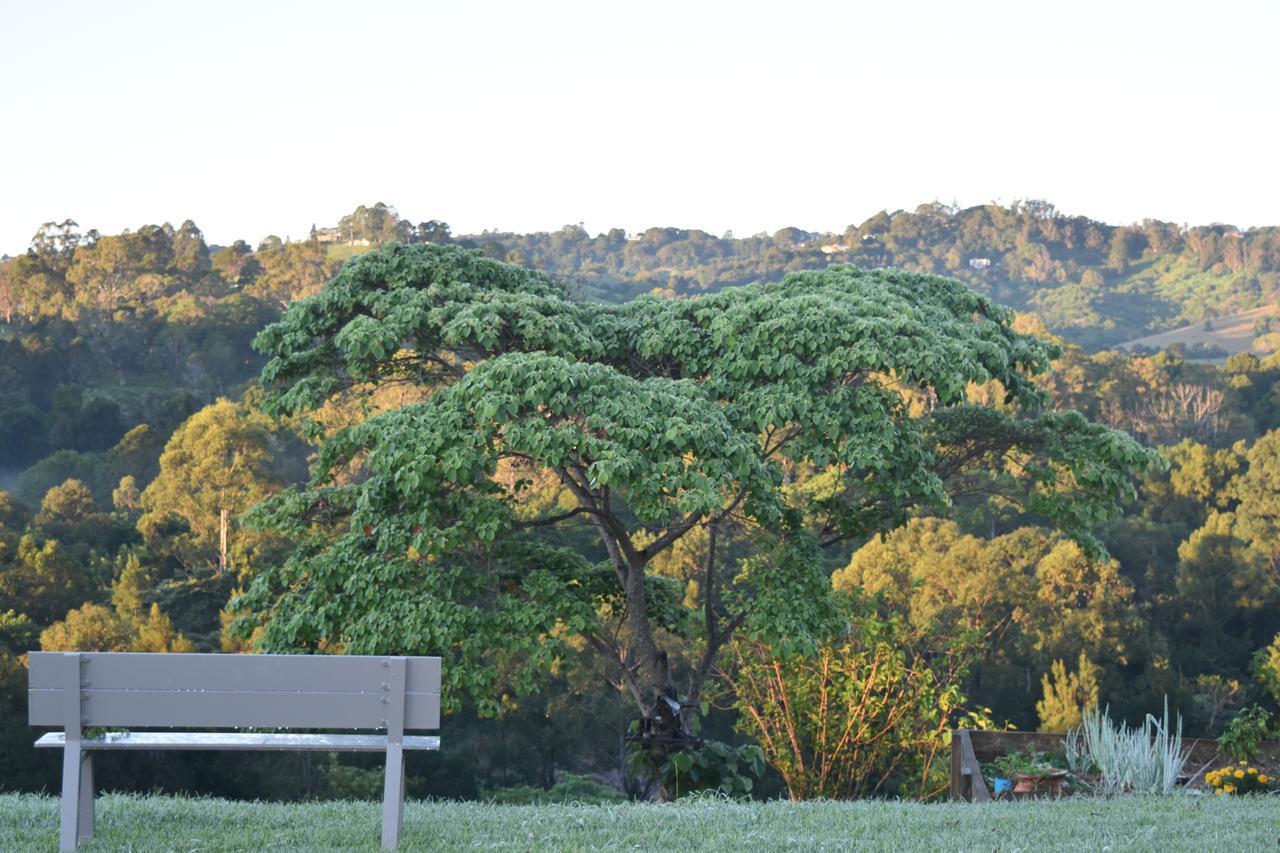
[659, 418]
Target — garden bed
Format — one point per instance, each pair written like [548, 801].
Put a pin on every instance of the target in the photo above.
[989, 746]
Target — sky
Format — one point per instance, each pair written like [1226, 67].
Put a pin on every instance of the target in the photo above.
[257, 118]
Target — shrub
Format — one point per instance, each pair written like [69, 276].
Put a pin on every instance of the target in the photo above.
[344, 782]
[868, 713]
[712, 766]
[1243, 734]
[1240, 779]
[571, 788]
[1028, 762]
[1266, 664]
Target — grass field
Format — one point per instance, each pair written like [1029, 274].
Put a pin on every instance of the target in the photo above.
[1233, 334]
[344, 252]
[1187, 822]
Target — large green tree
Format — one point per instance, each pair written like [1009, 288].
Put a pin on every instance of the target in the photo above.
[661, 418]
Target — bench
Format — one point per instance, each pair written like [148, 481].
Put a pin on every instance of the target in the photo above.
[210, 691]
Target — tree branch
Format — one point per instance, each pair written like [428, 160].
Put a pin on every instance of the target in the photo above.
[555, 519]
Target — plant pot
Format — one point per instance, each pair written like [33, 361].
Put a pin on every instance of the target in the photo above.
[1051, 783]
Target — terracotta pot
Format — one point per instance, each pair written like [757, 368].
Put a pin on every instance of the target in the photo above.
[1051, 783]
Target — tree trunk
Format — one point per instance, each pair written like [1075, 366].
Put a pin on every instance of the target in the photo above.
[222, 545]
[662, 727]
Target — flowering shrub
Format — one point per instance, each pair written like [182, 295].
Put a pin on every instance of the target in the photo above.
[1238, 779]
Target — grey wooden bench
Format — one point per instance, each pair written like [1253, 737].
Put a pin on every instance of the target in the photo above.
[107, 689]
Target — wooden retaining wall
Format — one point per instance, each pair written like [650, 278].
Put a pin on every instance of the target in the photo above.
[969, 748]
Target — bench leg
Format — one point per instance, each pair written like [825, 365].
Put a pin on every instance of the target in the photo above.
[86, 796]
[393, 798]
[72, 777]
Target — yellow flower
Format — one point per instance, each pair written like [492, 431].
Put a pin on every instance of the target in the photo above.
[1230, 789]
[1221, 792]
[1253, 770]
[1264, 778]
[1239, 774]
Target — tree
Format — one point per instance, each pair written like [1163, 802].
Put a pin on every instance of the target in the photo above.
[660, 418]
[127, 266]
[41, 579]
[90, 628]
[56, 242]
[1225, 598]
[129, 587]
[1068, 696]
[434, 231]
[377, 224]
[1027, 598]
[157, 634]
[67, 504]
[218, 464]
[12, 513]
[236, 263]
[1258, 514]
[1228, 571]
[126, 497]
[190, 252]
[287, 271]
[8, 292]
[125, 626]
[17, 633]
[1266, 664]
[1213, 696]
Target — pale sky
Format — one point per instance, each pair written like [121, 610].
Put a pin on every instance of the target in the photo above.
[254, 118]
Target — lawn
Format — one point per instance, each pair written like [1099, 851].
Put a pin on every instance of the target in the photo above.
[344, 252]
[1185, 822]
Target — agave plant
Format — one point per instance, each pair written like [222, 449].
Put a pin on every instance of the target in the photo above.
[1142, 760]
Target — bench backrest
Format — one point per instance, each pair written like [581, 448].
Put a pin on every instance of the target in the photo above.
[233, 691]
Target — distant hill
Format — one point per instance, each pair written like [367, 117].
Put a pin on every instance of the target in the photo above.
[1096, 284]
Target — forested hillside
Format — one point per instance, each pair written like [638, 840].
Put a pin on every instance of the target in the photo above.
[1093, 283]
[132, 443]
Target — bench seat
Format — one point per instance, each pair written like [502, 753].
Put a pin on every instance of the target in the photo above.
[152, 701]
[238, 740]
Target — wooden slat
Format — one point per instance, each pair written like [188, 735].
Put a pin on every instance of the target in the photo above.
[133, 670]
[238, 741]
[234, 709]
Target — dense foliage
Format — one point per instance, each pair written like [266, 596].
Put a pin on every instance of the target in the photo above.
[121, 468]
[868, 714]
[658, 418]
